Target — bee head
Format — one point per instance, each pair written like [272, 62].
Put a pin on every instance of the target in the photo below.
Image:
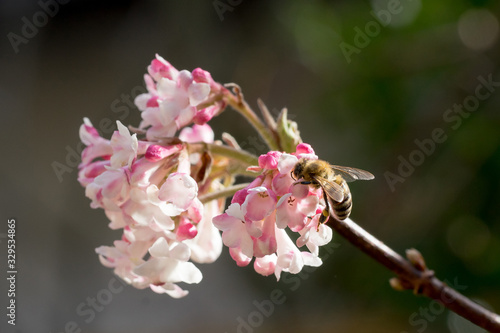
[298, 169]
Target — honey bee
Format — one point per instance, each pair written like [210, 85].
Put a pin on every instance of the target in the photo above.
[333, 181]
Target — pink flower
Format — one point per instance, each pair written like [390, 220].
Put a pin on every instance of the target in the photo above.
[314, 236]
[235, 233]
[265, 265]
[108, 190]
[290, 258]
[206, 246]
[128, 253]
[124, 147]
[146, 209]
[201, 76]
[254, 224]
[97, 147]
[294, 212]
[269, 160]
[266, 244]
[178, 192]
[121, 257]
[167, 266]
[259, 203]
[88, 172]
[144, 173]
[157, 152]
[160, 68]
[177, 98]
[304, 148]
[158, 184]
[204, 115]
[197, 133]
[174, 99]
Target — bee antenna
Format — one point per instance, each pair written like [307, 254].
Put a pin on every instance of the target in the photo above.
[291, 175]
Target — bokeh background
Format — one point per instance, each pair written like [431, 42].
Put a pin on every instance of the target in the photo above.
[364, 108]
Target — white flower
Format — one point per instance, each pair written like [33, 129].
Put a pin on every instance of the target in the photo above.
[167, 266]
[124, 147]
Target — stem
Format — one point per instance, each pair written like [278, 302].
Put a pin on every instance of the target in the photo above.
[238, 154]
[226, 192]
[240, 105]
[422, 281]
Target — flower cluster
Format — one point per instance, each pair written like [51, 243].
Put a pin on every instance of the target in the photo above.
[174, 97]
[255, 223]
[165, 186]
[146, 186]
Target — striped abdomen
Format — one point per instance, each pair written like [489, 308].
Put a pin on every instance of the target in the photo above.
[342, 209]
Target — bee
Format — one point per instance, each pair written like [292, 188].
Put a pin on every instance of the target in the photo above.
[332, 179]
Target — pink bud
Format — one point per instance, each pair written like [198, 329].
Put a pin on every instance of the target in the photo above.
[161, 68]
[200, 75]
[265, 265]
[152, 102]
[269, 160]
[156, 152]
[304, 148]
[241, 259]
[186, 230]
[204, 115]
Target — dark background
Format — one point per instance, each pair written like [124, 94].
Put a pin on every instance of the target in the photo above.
[366, 112]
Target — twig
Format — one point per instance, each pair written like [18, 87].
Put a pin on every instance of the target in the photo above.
[226, 192]
[237, 102]
[416, 276]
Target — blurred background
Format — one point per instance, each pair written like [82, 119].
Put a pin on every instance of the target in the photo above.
[365, 80]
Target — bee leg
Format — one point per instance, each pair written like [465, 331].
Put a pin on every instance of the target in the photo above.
[324, 216]
[326, 212]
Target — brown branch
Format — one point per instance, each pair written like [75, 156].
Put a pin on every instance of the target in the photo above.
[414, 275]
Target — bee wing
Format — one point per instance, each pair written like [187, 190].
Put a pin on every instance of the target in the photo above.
[333, 190]
[351, 174]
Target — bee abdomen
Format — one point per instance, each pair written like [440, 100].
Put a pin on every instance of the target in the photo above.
[343, 209]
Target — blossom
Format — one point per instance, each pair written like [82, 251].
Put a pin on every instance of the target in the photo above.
[148, 182]
[146, 189]
[197, 133]
[206, 246]
[167, 266]
[108, 190]
[97, 147]
[173, 98]
[124, 147]
[162, 184]
[255, 224]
